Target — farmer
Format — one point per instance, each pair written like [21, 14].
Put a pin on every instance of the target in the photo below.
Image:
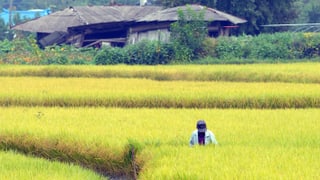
[202, 135]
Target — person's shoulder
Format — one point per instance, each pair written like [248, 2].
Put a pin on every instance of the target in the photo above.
[195, 132]
[210, 132]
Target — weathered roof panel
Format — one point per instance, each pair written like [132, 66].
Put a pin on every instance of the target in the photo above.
[172, 15]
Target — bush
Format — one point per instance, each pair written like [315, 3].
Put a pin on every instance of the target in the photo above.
[274, 46]
[209, 48]
[188, 34]
[269, 46]
[242, 49]
[5, 46]
[110, 55]
[148, 52]
[229, 47]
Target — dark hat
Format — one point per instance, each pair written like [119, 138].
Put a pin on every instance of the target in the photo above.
[201, 126]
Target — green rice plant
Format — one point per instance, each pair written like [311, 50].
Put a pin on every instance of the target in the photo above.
[128, 93]
[17, 166]
[253, 144]
[293, 73]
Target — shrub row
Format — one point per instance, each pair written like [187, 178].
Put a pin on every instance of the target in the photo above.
[26, 51]
[269, 46]
[145, 52]
[264, 47]
[241, 49]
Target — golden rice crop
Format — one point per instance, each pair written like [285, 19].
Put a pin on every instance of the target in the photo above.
[295, 72]
[253, 144]
[120, 92]
[17, 166]
[232, 162]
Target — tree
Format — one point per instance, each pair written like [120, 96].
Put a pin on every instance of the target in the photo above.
[308, 11]
[188, 34]
[256, 12]
[259, 12]
[314, 13]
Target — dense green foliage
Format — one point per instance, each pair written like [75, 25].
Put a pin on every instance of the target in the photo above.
[284, 47]
[309, 11]
[188, 34]
[269, 46]
[262, 12]
[259, 12]
[26, 51]
[145, 52]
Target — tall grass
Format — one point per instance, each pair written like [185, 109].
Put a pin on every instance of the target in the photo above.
[120, 92]
[295, 73]
[252, 143]
[17, 166]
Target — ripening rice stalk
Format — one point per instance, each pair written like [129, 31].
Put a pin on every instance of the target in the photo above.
[131, 93]
[255, 143]
[295, 72]
[17, 166]
[232, 162]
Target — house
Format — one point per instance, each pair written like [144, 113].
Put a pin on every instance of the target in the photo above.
[118, 25]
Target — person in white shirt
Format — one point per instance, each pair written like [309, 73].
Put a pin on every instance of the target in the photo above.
[202, 136]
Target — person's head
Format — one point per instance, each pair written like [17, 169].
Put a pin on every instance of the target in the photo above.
[201, 126]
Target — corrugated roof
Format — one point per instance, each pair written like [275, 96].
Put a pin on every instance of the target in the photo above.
[210, 15]
[89, 15]
[85, 15]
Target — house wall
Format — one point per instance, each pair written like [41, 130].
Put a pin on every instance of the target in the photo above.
[162, 35]
[160, 32]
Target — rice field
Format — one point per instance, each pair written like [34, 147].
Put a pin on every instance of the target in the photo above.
[292, 73]
[135, 126]
[131, 93]
[252, 143]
